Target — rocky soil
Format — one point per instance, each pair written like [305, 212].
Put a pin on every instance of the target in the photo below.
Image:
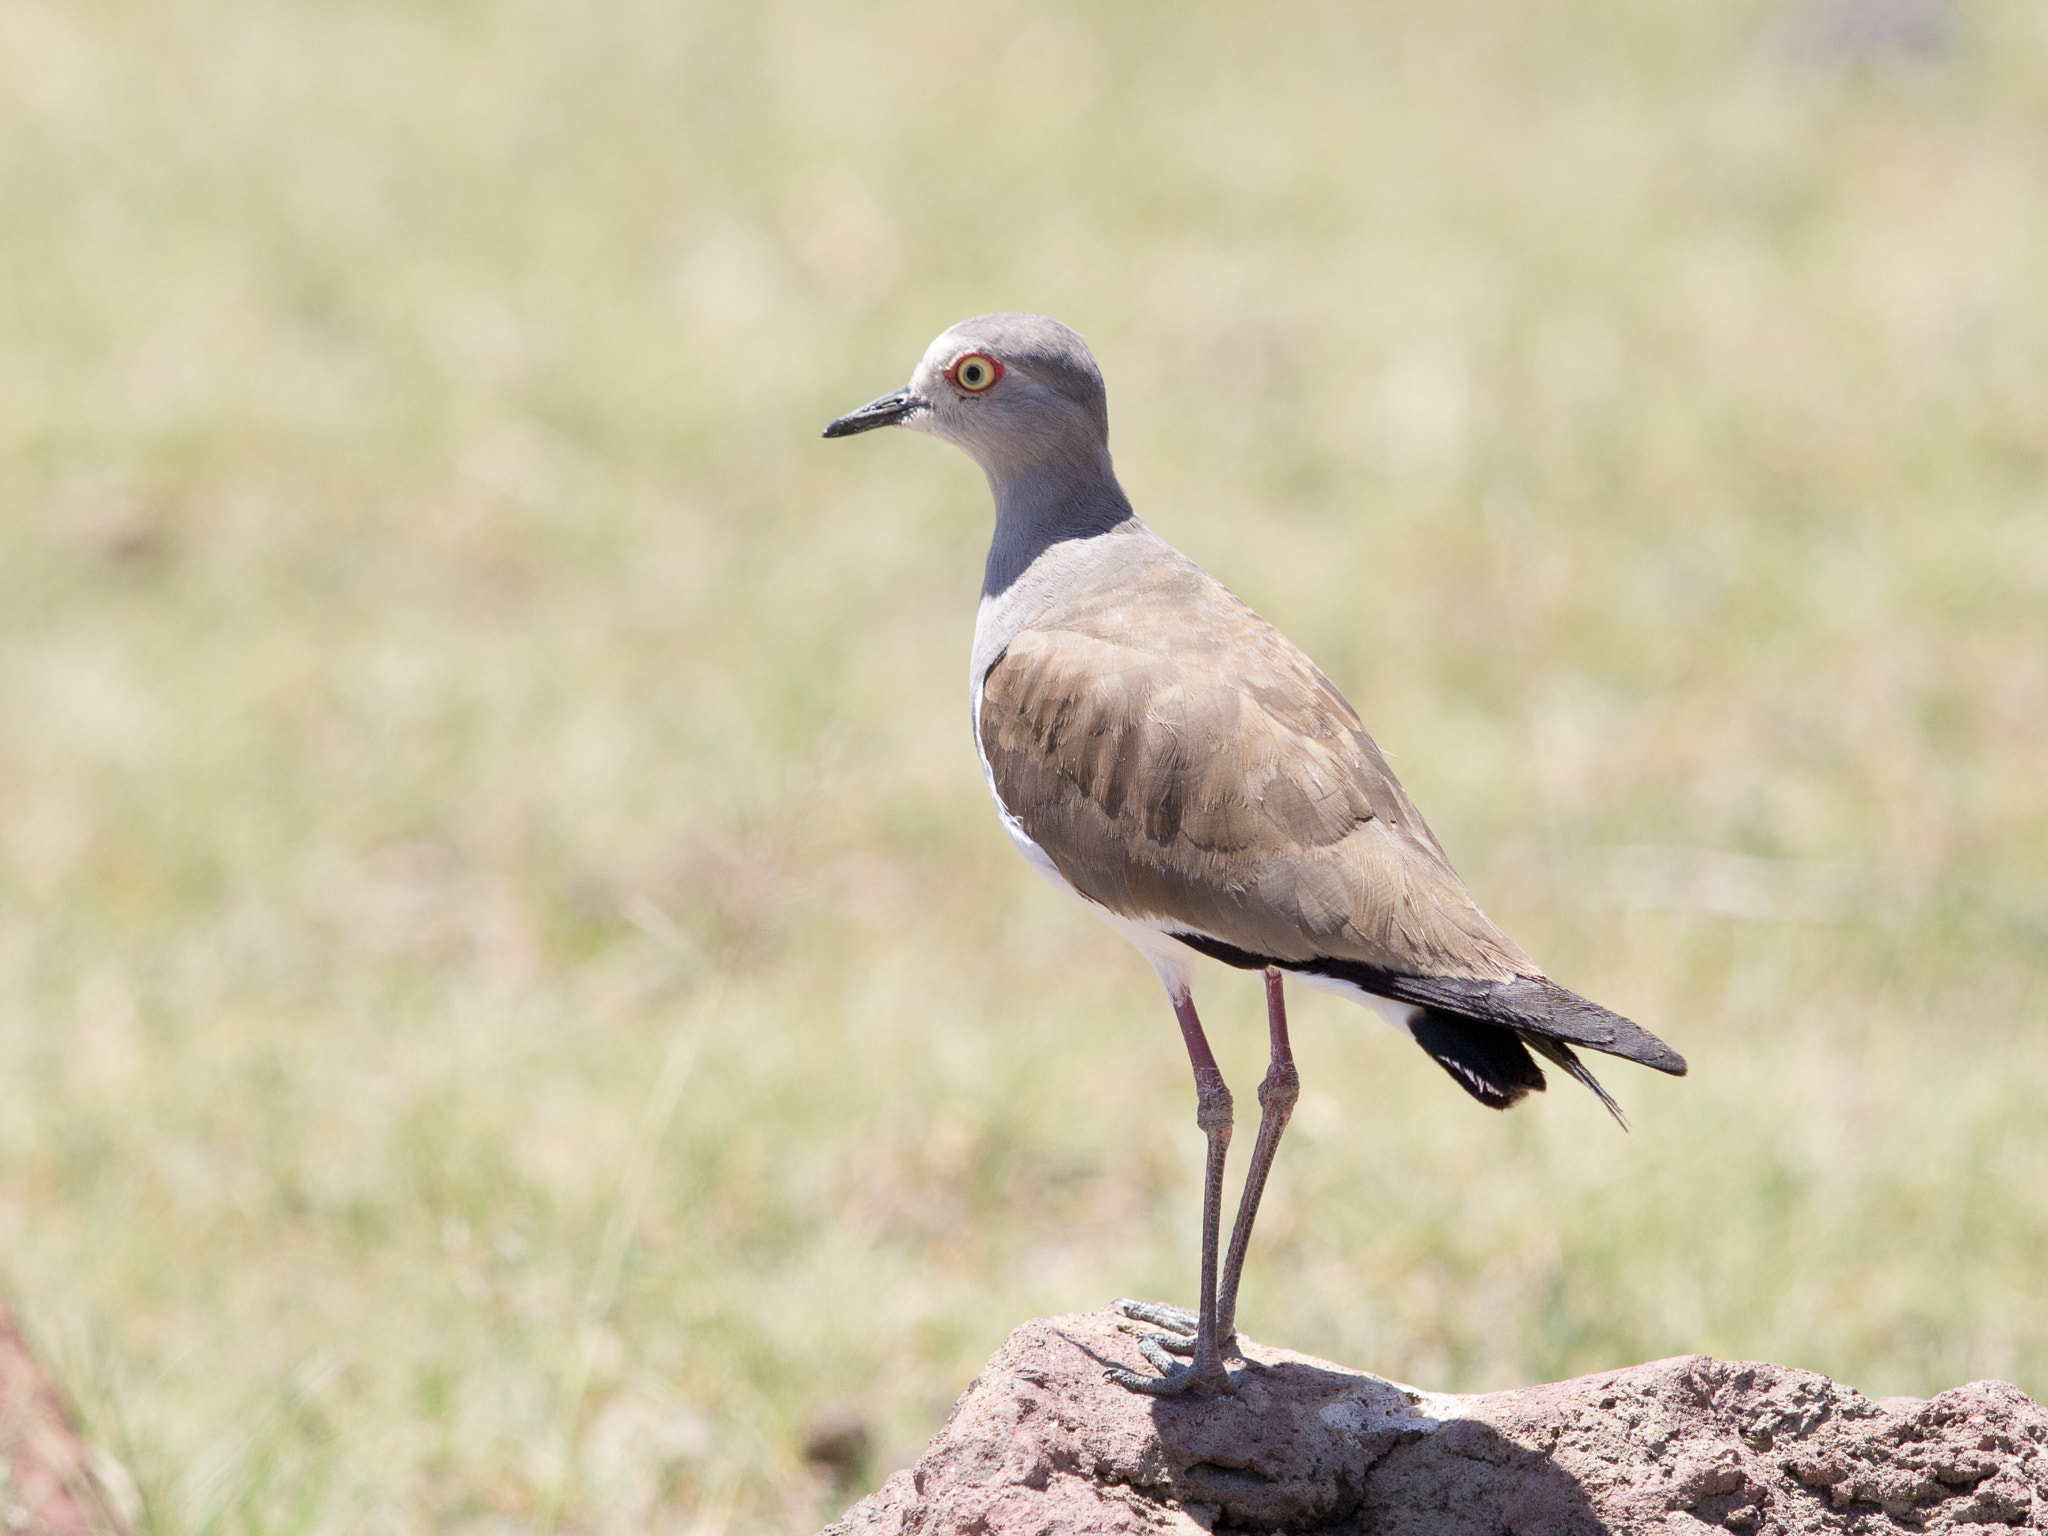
[1041, 1444]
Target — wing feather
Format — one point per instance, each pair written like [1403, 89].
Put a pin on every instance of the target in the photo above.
[1178, 758]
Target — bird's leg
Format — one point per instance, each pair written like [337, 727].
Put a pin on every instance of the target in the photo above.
[1205, 1372]
[1277, 1094]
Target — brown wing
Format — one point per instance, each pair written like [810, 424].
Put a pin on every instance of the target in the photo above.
[1177, 757]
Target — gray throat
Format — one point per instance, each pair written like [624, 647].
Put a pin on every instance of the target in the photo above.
[1046, 505]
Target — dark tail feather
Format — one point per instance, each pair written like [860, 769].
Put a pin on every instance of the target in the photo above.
[1488, 1062]
[1540, 1006]
[1478, 1030]
[1494, 1065]
[1535, 1003]
[1564, 1056]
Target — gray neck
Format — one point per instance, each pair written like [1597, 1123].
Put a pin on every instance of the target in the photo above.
[1048, 504]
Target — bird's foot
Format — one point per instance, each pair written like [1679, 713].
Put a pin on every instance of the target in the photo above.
[1206, 1376]
[1175, 1379]
[1182, 1324]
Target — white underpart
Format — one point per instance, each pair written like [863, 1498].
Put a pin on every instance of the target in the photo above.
[1400, 1015]
[1171, 959]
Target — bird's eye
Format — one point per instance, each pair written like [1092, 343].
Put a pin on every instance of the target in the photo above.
[976, 372]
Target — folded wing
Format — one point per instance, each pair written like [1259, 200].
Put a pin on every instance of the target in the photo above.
[1183, 764]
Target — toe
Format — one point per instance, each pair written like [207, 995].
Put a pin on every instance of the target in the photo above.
[1152, 1386]
[1157, 1351]
[1159, 1314]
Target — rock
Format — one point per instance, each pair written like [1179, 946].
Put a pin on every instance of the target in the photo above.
[48, 1486]
[1041, 1445]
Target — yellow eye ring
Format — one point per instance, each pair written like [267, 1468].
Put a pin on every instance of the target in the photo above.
[975, 372]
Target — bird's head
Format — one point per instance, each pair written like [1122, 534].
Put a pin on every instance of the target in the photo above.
[1012, 391]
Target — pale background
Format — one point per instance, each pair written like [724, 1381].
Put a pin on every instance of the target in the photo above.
[512, 999]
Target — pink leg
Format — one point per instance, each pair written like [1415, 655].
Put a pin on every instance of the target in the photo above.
[1277, 1095]
[1205, 1373]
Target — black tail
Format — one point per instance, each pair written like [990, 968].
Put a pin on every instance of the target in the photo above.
[1488, 1062]
[1527, 1005]
[1493, 1064]
[1481, 1032]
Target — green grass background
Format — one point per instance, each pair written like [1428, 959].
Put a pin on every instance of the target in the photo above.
[512, 998]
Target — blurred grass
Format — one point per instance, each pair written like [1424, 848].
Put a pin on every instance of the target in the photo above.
[449, 699]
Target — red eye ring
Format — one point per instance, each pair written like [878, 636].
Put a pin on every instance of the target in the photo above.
[974, 372]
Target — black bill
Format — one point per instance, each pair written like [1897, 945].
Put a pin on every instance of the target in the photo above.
[885, 412]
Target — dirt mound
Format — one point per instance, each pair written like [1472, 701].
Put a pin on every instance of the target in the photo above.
[1041, 1444]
